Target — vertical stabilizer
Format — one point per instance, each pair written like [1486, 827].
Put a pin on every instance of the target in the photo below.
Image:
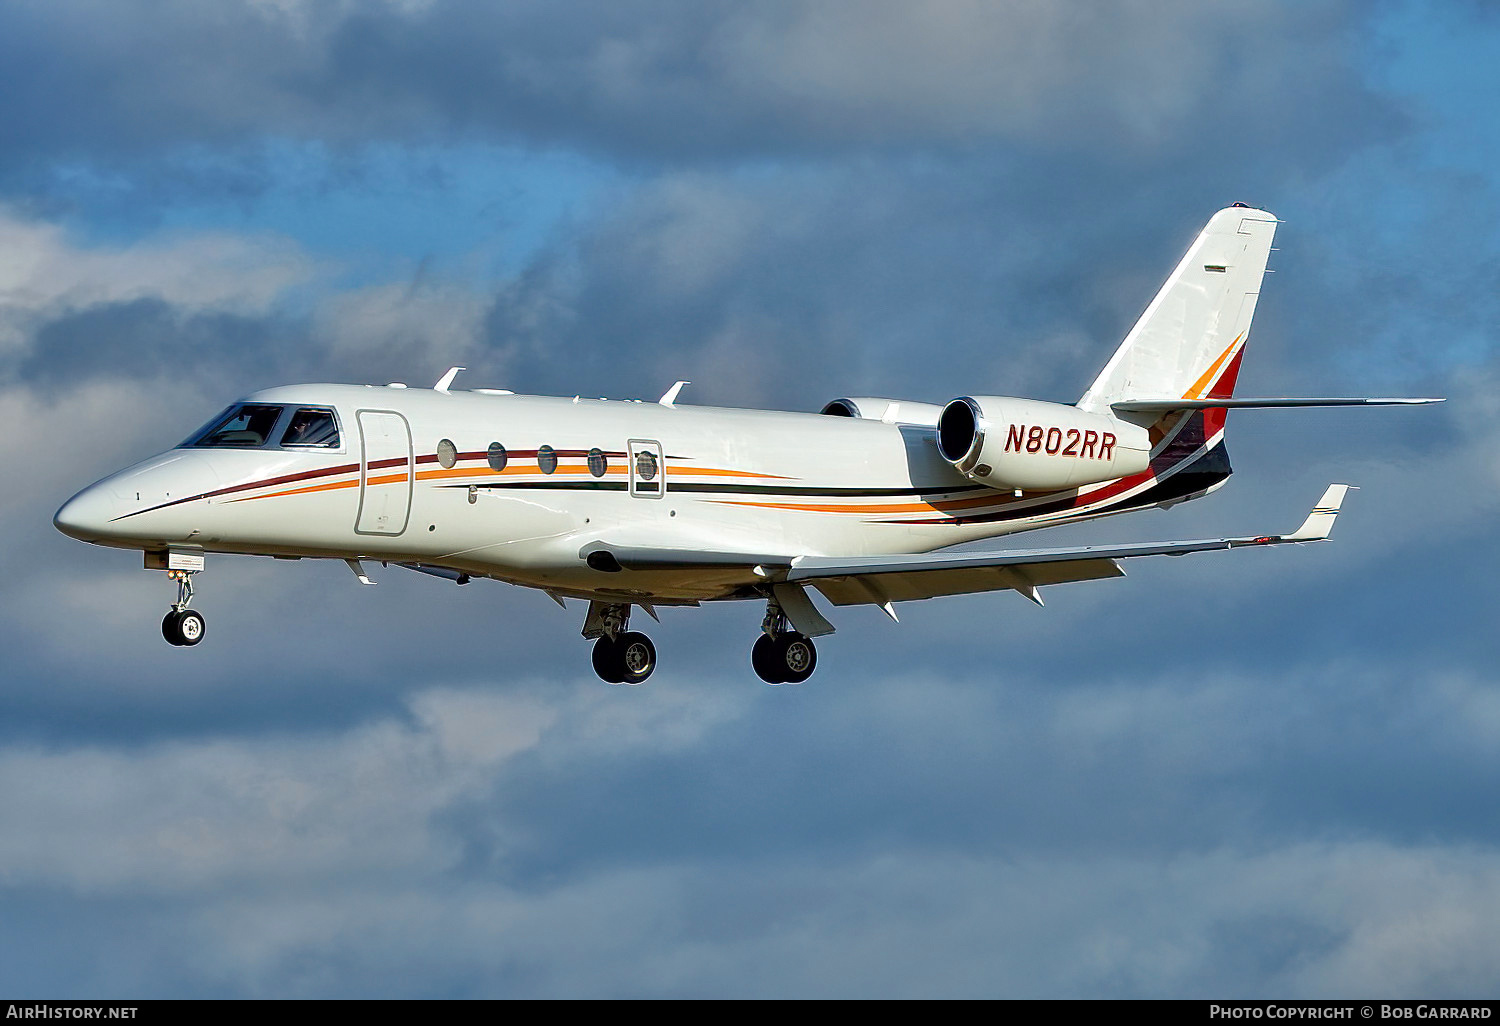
[1188, 343]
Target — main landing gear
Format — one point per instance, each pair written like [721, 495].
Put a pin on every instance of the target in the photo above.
[781, 654]
[621, 656]
[183, 626]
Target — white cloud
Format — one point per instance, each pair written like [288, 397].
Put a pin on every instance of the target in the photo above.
[417, 325]
[44, 274]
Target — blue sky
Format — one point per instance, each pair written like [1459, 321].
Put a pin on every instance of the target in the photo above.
[1263, 774]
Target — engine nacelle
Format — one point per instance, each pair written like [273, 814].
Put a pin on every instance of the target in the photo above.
[1037, 446]
[891, 411]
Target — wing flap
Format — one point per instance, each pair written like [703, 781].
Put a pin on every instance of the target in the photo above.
[911, 585]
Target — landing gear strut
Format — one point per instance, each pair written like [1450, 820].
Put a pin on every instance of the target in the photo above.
[782, 655]
[183, 626]
[621, 656]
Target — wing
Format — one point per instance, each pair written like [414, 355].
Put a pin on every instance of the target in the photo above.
[885, 579]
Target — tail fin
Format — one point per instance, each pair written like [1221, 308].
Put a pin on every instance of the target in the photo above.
[1189, 341]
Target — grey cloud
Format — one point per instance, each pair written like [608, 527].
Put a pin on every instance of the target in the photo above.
[1303, 920]
[655, 78]
[327, 864]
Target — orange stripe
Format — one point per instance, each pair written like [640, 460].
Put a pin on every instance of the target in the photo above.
[803, 508]
[510, 471]
[300, 491]
[1201, 385]
[680, 471]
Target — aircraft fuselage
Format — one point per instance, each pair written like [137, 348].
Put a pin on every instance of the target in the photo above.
[418, 476]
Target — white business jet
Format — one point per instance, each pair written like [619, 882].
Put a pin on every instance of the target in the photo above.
[630, 504]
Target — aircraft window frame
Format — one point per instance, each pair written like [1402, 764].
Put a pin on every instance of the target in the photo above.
[646, 455]
[546, 459]
[497, 457]
[204, 438]
[334, 443]
[447, 454]
[598, 462]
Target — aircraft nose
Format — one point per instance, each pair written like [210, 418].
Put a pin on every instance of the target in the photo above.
[87, 515]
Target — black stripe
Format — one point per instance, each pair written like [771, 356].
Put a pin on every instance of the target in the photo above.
[731, 489]
[871, 493]
[551, 486]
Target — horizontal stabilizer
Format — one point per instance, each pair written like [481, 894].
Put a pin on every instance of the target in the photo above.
[1167, 405]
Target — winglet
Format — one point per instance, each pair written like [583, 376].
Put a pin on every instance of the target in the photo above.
[669, 399]
[1320, 521]
[447, 380]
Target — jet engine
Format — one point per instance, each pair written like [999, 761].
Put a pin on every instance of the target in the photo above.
[1037, 446]
[891, 411]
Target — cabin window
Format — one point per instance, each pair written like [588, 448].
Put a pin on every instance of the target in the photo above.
[645, 466]
[247, 426]
[546, 459]
[447, 454]
[313, 428]
[598, 463]
[496, 456]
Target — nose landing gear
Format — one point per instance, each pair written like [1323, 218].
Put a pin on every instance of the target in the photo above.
[182, 626]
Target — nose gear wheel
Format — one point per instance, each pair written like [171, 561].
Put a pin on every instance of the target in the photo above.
[182, 626]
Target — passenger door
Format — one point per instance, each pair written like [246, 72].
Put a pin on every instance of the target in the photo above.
[386, 469]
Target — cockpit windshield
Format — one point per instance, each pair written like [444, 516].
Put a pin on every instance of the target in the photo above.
[241, 427]
[312, 427]
[254, 426]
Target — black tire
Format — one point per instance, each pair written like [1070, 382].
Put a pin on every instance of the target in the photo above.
[635, 656]
[190, 627]
[169, 628]
[763, 658]
[796, 657]
[607, 662]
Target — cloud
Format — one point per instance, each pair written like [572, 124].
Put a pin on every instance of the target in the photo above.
[1300, 921]
[45, 275]
[408, 327]
[379, 858]
[653, 78]
[188, 816]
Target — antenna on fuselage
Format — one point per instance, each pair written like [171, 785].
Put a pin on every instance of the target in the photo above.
[447, 379]
[669, 399]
